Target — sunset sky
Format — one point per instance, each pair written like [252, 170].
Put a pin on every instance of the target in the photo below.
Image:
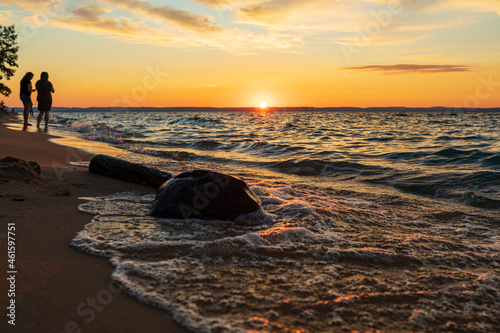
[222, 53]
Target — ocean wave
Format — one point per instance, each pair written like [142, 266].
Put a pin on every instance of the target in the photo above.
[491, 162]
[207, 145]
[414, 156]
[476, 200]
[178, 155]
[311, 167]
[462, 157]
[194, 120]
[141, 150]
[319, 262]
[81, 127]
[434, 155]
[452, 152]
[94, 132]
[472, 188]
[381, 139]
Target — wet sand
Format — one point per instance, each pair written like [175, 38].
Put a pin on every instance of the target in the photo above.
[57, 288]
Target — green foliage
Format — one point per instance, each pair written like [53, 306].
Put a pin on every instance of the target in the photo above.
[3, 107]
[8, 56]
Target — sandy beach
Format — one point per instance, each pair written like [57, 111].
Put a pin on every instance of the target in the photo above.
[57, 288]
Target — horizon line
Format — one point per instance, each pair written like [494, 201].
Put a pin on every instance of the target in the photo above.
[276, 108]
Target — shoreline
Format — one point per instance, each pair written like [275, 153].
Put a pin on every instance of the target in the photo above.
[338, 256]
[57, 288]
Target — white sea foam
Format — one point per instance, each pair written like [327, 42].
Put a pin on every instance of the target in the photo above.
[310, 260]
[80, 163]
[94, 132]
[141, 150]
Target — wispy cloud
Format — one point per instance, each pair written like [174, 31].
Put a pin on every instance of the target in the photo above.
[90, 19]
[138, 21]
[106, 18]
[491, 6]
[252, 25]
[429, 6]
[412, 68]
[225, 4]
[32, 5]
[270, 13]
[302, 17]
[181, 17]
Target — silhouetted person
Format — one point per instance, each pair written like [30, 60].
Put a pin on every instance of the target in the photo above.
[25, 95]
[44, 98]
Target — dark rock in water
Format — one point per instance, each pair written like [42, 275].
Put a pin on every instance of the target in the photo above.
[204, 195]
[130, 172]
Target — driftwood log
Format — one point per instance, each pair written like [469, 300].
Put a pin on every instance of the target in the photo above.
[130, 172]
[197, 194]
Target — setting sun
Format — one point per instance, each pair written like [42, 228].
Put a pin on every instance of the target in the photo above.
[263, 104]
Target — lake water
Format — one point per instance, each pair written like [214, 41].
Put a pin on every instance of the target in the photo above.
[373, 221]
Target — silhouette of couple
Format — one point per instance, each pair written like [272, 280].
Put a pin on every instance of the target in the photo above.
[45, 89]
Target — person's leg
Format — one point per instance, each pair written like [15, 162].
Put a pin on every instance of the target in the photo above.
[40, 117]
[47, 117]
[26, 113]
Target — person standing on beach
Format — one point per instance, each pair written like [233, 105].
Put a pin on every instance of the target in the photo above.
[44, 98]
[25, 95]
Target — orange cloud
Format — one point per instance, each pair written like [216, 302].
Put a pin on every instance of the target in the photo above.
[284, 25]
[89, 19]
[413, 68]
[224, 4]
[181, 17]
[492, 6]
[32, 5]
